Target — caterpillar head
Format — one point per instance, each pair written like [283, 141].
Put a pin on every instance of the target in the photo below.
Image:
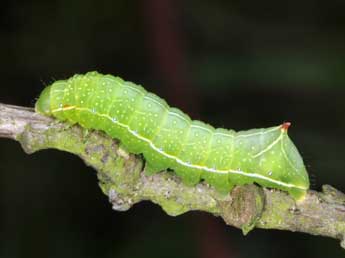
[43, 103]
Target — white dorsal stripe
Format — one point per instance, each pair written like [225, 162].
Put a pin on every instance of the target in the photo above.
[269, 146]
[202, 128]
[184, 163]
[258, 133]
[155, 101]
[178, 115]
[133, 88]
[286, 156]
[224, 134]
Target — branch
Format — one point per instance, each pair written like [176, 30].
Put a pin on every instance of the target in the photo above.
[122, 178]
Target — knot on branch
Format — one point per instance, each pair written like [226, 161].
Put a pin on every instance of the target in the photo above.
[245, 207]
[332, 195]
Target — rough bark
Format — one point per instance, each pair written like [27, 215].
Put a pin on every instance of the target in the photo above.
[122, 178]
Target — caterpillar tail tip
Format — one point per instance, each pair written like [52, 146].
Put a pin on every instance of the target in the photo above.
[285, 126]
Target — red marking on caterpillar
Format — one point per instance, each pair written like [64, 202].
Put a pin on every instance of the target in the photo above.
[285, 126]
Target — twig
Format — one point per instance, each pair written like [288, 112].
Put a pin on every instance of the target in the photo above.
[122, 178]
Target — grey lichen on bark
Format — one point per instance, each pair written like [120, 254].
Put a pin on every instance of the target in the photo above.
[122, 178]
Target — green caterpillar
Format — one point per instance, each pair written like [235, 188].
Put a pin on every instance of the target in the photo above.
[168, 138]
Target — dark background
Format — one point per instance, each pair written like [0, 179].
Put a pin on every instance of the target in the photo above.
[235, 64]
